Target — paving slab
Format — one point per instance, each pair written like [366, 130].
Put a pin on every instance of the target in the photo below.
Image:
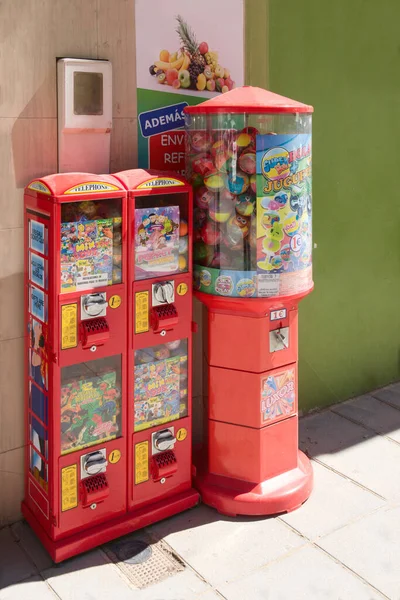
[373, 413]
[389, 394]
[210, 595]
[374, 463]
[33, 588]
[88, 577]
[31, 545]
[221, 548]
[334, 502]
[185, 585]
[327, 432]
[371, 548]
[306, 574]
[14, 564]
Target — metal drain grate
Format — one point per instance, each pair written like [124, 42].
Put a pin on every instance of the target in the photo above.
[143, 561]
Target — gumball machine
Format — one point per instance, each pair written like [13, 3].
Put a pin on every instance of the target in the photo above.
[248, 158]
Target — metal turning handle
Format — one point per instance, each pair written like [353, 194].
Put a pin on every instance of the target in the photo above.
[164, 440]
[94, 463]
[164, 292]
[93, 304]
[280, 337]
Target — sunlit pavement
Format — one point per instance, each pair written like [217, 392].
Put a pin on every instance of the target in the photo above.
[343, 543]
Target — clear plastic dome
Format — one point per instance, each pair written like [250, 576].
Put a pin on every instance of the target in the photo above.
[251, 176]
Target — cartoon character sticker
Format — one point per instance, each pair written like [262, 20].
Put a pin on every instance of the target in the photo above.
[156, 241]
[224, 285]
[283, 225]
[90, 409]
[278, 394]
[38, 353]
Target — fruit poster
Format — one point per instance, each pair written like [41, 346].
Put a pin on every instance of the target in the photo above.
[187, 52]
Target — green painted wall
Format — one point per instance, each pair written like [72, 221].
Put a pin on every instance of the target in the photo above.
[343, 57]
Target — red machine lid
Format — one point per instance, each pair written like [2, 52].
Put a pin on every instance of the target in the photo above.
[140, 179]
[249, 99]
[75, 184]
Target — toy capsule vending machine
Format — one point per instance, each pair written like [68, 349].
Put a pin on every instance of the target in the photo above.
[75, 311]
[249, 160]
[160, 344]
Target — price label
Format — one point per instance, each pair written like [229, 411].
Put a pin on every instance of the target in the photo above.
[181, 434]
[115, 301]
[182, 289]
[69, 488]
[69, 330]
[141, 312]
[276, 315]
[141, 462]
[114, 457]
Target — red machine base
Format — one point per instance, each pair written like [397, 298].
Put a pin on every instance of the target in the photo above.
[280, 494]
[110, 530]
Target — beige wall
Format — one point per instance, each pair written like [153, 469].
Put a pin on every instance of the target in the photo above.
[32, 34]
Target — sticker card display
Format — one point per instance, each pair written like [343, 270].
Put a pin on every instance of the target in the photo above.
[86, 254]
[90, 409]
[156, 241]
[38, 237]
[160, 391]
[38, 468]
[37, 270]
[38, 402]
[278, 395]
[38, 353]
[38, 303]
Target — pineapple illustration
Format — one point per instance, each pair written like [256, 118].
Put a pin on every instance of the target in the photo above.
[190, 45]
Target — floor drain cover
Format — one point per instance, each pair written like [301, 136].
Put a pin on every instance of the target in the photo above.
[132, 552]
[144, 563]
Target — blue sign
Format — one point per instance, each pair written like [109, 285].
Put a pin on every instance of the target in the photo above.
[163, 119]
[37, 272]
[37, 237]
[38, 306]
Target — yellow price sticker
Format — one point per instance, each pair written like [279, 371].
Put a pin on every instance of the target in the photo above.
[69, 487]
[181, 434]
[141, 462]
[115, 301]
[182, 289]
[114, 457]
[69, 326]
[141, 312]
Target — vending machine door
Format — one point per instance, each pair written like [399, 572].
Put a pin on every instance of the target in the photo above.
[92, 482]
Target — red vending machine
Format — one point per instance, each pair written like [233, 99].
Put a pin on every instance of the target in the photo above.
[159, 343]
[249, 160]
[75, 360]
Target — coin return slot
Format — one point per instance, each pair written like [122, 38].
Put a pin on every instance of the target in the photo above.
[163, 465]
[94, 332]
[94, 489]
[163, 317]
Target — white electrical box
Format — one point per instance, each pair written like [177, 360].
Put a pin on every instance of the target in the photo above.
[84, 115]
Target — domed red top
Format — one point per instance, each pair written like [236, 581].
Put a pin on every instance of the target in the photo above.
[248, 99]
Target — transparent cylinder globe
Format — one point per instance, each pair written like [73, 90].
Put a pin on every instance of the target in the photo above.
[251, 177]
